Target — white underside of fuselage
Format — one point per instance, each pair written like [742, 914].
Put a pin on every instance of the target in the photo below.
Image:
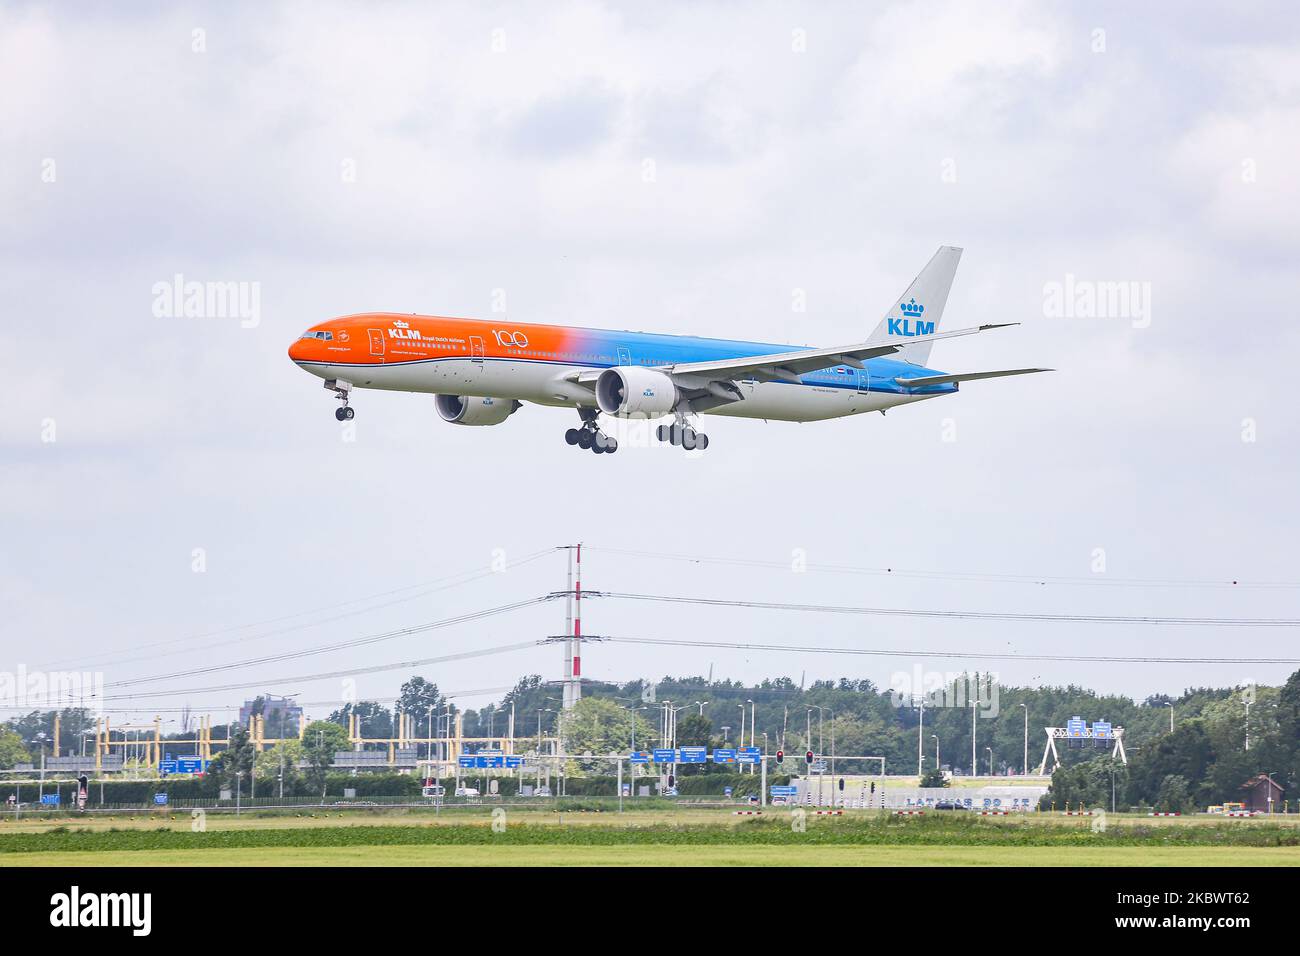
[543, 383]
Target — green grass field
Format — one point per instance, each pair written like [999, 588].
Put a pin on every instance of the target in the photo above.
[675, 856]
[685, 837]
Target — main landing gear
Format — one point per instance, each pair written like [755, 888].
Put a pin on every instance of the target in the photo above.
[589, 436]
[679, 433]
[341, 388]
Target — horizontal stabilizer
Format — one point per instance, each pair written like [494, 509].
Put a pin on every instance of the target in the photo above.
[964, 377]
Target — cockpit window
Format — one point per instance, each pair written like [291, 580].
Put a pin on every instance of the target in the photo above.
[324, 336]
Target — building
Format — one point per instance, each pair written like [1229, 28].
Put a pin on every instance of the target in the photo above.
[281, 715]
[1259, 791]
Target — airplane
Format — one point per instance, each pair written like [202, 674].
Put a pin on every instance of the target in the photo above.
[482, 371]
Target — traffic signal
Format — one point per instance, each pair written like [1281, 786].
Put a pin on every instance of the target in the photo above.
[807, 758]
[873, 786]
[841, 783]
[780, 756]
[672, 780]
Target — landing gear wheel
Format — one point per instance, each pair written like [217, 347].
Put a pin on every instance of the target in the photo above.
[585, 438]
[341, 413]
[572, 436]
[349, 412]
[662, 432]
[701, 441]
[605, 444]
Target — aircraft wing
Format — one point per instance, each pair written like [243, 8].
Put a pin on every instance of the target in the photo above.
[963, 377]
[788, 366]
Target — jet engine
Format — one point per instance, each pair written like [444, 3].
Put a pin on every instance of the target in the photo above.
[631, 392]
[472, 410]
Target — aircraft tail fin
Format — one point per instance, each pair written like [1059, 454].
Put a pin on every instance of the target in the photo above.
[919, 310]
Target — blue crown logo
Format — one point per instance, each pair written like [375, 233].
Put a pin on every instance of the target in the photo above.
[912, 309]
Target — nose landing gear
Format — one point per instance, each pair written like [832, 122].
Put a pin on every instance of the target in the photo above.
[342, 388]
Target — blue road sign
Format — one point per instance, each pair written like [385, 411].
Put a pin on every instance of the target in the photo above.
[1075, 727]
[783, 791]
[191, 764]
[749, 755]
[160, 799]
[665, 756]
[724, 756]
[50, 799]
[514, 763]
[491, 761]
[166, 767]
[727, 791]
[466, 761]
[1101, 729]
[693, 755]
[639, 757]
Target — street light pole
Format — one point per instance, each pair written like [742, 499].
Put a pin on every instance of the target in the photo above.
[936, 751]
[1025, 769]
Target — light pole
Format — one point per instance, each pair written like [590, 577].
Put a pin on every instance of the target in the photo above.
[936, 751]
[920, 732]
[990, 750]
[1025, 769]
[1270, 793]
[974, 764]
[753, 717]
[1170, 705]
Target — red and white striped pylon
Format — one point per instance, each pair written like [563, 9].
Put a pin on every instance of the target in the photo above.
[1242, 813]
[1165, 814]
[828, 813]
[909, 813]
[995, 813]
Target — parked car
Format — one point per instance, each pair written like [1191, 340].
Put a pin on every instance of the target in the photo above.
[948, 805]
[542, 792]
[467, 792]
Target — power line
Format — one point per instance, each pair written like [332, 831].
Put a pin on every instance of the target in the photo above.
[969, 576]
[966, 655]
[350, 672]
[422, 589]
[959, 615]
[340, 645]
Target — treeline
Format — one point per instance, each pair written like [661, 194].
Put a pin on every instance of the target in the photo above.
[1203, 760]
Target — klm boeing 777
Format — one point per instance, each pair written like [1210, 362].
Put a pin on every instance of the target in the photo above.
[482, 372]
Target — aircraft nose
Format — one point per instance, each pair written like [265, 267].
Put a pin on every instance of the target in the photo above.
[298, 350]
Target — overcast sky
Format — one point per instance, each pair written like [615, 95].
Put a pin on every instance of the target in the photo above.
[689, 168]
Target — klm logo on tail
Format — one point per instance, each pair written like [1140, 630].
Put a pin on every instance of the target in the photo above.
[911, 324]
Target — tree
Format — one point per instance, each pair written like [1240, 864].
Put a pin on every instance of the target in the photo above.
[934, 778]
[375, 720]
[12, 750]
[282, 758]
[417, 697]
[1174, 795]
[320, 741]
[693, 730]
[598, 725]
[233, 767]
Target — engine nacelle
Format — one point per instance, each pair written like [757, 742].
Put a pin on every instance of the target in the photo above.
[631, 392]
[472, 410]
